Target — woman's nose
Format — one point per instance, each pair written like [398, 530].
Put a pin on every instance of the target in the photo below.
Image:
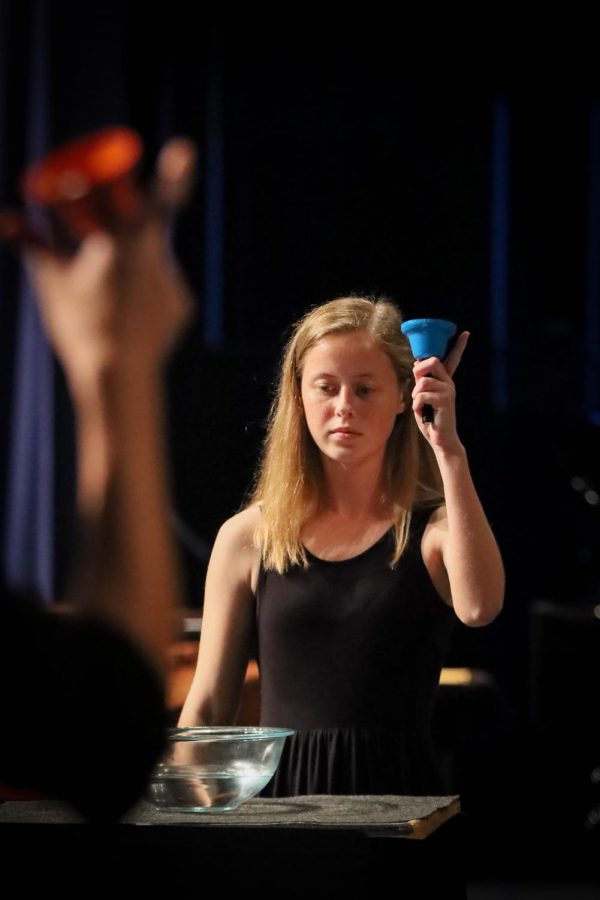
[344, 402]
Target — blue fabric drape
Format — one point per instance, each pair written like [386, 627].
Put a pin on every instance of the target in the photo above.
[29, 556]
[29, 532]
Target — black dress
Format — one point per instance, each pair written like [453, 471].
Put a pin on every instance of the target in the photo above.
[350, 655]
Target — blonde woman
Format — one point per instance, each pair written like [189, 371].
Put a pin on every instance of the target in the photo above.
[363, 540]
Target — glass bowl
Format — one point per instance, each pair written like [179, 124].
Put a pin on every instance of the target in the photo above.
[215, 769]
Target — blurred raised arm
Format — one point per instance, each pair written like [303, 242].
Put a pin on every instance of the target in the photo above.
[112, 312]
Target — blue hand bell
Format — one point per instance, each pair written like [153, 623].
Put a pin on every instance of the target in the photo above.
[428, 337]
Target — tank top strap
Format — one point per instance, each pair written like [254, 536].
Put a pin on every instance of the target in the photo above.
[420, 520]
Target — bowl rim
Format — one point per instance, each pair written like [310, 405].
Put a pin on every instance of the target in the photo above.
[227, 733]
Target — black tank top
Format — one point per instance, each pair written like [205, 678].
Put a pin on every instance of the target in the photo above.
[350, 655]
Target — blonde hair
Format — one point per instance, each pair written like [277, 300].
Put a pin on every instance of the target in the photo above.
[290, 479]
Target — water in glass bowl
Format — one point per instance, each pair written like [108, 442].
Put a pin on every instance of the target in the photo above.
[176, 788]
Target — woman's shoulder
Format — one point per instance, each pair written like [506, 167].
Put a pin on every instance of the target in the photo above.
[235, 559]
[237, 532]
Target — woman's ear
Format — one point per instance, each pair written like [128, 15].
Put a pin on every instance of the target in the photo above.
[405, 393]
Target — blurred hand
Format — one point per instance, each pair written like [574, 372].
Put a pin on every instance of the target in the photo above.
[120, 302]
[434, 387]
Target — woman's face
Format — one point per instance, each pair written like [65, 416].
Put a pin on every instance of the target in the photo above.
[351, 397]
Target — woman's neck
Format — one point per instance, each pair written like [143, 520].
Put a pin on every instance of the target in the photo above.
[355, 492]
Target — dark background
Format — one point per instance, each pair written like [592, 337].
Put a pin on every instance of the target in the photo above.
[362, 157]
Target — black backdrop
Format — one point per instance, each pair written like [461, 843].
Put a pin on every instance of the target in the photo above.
[355, 159]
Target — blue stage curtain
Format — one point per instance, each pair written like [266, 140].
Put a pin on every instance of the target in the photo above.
[28, 407]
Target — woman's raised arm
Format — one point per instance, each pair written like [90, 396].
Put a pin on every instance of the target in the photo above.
[461, 535]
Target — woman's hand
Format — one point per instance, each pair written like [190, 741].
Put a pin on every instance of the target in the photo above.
[434, 387]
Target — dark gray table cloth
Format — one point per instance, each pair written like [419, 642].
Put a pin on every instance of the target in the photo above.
[387, 815]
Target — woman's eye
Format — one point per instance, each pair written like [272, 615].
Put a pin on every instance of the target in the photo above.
[363, 390]
[325, 388]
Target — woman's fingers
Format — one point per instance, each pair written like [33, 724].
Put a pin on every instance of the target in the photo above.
[432, 392]
[453, 359]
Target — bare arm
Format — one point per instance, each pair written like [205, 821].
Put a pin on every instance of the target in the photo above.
[126, 573]
[460, 534]
[111, 313]
[227, 626]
